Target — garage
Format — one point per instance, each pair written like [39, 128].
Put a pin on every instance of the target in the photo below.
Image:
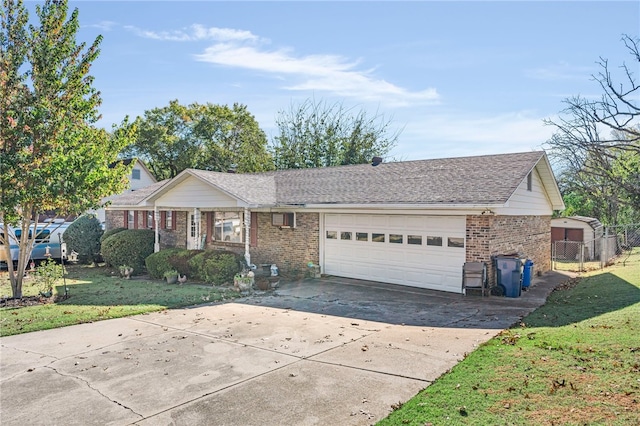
[413, 250]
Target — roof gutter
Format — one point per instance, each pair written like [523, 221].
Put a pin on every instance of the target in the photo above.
[407, 206]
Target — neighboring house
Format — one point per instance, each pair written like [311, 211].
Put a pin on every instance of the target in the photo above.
[568, 232]
[413, 223]
[140, 177]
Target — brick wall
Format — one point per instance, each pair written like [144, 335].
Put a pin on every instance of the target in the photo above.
[289, 248]
[113, 219]
[175, 237]
[494, 235]
[168, 237]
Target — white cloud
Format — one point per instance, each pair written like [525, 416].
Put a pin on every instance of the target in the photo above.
[560, 71]
[196, 32]
[331, 74]
[103, 25]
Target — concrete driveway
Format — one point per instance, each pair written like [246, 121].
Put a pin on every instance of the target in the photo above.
[314, 352]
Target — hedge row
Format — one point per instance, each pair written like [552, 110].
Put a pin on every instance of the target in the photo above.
[211, 266]
[134, 248]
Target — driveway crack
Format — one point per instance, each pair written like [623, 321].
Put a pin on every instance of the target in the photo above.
[86, 382]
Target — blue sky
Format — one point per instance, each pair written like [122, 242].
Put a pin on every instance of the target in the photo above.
[458, 78]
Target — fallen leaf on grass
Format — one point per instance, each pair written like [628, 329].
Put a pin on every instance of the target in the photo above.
[397, 406]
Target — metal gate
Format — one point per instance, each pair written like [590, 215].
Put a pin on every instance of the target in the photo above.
[619, 243]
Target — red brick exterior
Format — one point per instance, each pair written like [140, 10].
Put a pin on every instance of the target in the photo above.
[293, 248]
[289, 248]
[529, 236]
[168, 237]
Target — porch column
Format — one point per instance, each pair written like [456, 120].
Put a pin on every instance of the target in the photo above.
[198, 231]
[156, 216]
[247, 236]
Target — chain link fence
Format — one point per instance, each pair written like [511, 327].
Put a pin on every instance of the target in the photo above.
[621, 244]
[617, 244]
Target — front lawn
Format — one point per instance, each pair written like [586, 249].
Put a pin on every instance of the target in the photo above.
[97, 293]
[574, 361]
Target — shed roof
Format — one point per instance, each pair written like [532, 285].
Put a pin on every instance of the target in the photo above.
[591, 221]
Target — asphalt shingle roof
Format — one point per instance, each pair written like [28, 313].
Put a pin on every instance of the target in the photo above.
[465, 180]
[479, 180]
[132, 198]
[251, 188]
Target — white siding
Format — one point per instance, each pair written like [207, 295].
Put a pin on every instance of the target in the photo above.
[193, 193]
[146, 179]
[528, 203]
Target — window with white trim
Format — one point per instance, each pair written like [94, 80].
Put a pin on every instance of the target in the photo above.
[227, 226]
[283, 220]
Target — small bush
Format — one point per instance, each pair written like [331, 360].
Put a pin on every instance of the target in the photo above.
[47, 274]
[214, 266]
[130, 247]
[159, 263]
[83, 237]
[110, 232]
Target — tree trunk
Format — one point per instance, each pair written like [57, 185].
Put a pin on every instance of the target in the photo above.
[16, 289]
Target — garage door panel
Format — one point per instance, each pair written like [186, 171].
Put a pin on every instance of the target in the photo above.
[438, 267]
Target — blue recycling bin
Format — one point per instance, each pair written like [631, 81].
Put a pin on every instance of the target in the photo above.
[527, 274]
[509, 275]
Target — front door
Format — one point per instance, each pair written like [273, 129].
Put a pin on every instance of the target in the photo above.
[193, 231]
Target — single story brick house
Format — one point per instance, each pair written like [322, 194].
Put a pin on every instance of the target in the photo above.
[412, 223]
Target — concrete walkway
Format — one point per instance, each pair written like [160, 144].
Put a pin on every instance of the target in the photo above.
[315, 352]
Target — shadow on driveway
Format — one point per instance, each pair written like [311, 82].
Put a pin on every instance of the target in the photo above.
[395, 304]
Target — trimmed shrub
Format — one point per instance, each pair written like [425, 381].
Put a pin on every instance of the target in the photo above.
[180, 261]
[130, 247]
[159, 263]
[110, 232]
[215, 266]
[83, 237]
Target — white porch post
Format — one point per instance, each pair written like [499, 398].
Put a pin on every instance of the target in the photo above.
[156, 215]
[247, 236]
[198, 233]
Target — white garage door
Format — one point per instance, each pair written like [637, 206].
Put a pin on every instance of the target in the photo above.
[418, 251]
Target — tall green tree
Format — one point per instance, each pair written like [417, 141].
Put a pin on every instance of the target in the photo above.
[596, 145]
[52, 157]
[207, 137]
[314, 134]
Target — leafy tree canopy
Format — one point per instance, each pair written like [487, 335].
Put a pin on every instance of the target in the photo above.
[207, 137]
[52, 157]
[315, 134]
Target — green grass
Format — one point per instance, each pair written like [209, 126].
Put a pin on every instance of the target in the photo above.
[98, 293]
[573, 361]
